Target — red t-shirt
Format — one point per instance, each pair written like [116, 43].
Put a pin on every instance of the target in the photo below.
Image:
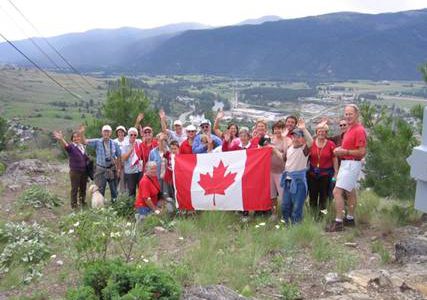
[322, 157]
[226, 146]
[354, 138]
[185, 148]
[147, 188]
[144, 150]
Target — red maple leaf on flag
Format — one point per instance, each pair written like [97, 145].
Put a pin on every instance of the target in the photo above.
[218, 183]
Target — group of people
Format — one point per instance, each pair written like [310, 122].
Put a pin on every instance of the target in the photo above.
[319, 166]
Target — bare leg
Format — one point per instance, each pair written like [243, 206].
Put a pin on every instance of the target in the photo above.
[352, 201]
[339, 202]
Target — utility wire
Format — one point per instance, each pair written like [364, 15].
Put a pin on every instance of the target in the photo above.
[35, 44]
[40, 68]
[50, 45]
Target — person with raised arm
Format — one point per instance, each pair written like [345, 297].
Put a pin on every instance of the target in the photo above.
[205, 141]
[77, 161]
[148, 141]
[178, 134]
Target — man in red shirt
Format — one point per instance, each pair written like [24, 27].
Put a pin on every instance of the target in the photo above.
[351, 151]
[147, 199]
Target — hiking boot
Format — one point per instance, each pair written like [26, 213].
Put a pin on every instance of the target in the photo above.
[335, 227]
[349, 223]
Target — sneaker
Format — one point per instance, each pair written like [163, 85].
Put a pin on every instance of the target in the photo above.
[335, 227]
[349, 223]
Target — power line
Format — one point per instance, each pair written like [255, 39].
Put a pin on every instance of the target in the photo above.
[40, 69]
[35, 44]
[50, 45]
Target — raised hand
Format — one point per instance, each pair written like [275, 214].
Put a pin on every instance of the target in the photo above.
[220, 115]
[301, 123]
[140, 117]
[162, 114]
[58, 135]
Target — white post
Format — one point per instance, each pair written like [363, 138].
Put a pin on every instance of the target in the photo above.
[418, 163]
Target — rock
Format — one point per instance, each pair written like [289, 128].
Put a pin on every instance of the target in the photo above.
[368, 277]
[332, 278]
[353, 245]
[211, 292]
[159, 229]
[59, 262]
[28, 172]
[412, 249]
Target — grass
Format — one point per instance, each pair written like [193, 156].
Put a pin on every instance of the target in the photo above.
[379, 248]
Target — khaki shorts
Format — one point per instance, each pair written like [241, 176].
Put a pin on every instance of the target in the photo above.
[348, 174]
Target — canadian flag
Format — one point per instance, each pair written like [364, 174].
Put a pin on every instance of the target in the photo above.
[234, 180]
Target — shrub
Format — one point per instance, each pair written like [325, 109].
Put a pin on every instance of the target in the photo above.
[94, 233]
[116, 280]
[124, 206]
[2, 168]
[24, 245]
[290, 291]
[82, 293]
[38, 196]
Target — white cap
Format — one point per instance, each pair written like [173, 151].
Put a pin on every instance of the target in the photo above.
[177, 122]
[133, 129]
[121, 128]
[205, 121]
[106, 128]
[190, 128]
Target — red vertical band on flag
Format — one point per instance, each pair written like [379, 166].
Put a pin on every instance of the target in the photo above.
[184, 167]
[256, 180]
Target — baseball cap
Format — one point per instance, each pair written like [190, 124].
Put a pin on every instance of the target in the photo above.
[147, 128]
[298, 132]
[120, 128]
[191, 128]
[106, 128]
[177, 122]
[205, 121]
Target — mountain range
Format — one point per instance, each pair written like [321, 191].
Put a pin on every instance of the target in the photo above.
[388, 46]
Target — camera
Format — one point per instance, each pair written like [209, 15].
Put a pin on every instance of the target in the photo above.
[108, 159]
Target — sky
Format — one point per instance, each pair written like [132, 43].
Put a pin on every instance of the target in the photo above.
[55, 17]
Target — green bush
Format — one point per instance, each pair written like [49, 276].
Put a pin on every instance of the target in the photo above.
[38, 196]
[290, 291]
[82, 293]
[124, 206]
[116, 280]
[24, 245]
[2, 168]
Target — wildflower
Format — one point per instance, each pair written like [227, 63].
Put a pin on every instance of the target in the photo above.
[53, 256]
[76, 224]
[262, 224]
[128, 224]
[256, 226]
[71, 231]
[324, 211]
[283, 221]
[277, 226]
[145, 260]
[181, 238]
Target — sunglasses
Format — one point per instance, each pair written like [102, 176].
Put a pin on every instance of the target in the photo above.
[147, 131]
[343, 125]
[204, 126]
[132, 134]
[191, 130]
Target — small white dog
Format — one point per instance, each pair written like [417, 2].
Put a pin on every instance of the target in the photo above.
[97, 198]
